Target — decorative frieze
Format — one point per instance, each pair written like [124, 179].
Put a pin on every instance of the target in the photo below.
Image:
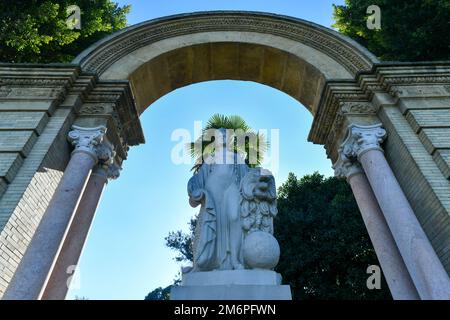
[417, 79]
[4, 91]
[92, 109]
[348, 108]
[33, 82]
[418, 91]
[105, 152]
[350, 57]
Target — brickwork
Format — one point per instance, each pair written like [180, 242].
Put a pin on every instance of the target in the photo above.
[28, 195]
[33, 154]
[34, 150]
[423, 183]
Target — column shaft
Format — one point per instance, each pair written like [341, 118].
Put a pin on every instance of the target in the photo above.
[58, 284]
[37, 261]
[394, 269]
[426, 270]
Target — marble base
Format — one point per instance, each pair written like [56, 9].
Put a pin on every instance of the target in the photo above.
[231, 285]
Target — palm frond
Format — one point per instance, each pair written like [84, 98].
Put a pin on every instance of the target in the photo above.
[255, 144]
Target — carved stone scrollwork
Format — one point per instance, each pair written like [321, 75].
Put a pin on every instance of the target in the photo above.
[86, 139]
[361, 139]
[92, 109]
[106, 154]
[357, 108]
[345, 167]
[5, 91]
[113, 171]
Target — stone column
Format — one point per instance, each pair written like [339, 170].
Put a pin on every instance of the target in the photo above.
[394, 269]
[65, 265]
[426, 270]
[34, 268]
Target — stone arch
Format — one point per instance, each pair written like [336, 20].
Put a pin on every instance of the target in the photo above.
[161, 55]
[348, 91]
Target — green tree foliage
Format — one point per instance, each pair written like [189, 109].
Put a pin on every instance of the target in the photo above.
[411, 30]
[36, 30]
[325, 248]
[159, 294]
[182, 242]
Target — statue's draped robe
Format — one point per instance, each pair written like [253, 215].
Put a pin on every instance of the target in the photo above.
[219, 184]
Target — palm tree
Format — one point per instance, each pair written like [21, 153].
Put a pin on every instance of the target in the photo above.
[255, 142]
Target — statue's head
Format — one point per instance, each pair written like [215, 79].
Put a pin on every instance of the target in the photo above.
[221, 137]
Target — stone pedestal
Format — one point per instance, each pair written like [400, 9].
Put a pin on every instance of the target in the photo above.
[231, 285]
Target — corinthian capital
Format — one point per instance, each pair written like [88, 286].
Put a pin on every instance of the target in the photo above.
[113, 171]
[86, 139]
[105, 152]
[109, 171]
[345, 167]
[361, 139]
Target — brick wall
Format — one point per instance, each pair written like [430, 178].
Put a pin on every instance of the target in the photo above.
[418, 151]
[26, 198]
[33, 153]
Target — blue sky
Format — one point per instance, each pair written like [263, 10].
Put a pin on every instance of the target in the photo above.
[125, 256]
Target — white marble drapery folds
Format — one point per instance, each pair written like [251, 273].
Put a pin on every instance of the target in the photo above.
[218, 237]
[236, 202]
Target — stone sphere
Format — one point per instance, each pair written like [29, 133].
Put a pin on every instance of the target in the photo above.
[261, 250]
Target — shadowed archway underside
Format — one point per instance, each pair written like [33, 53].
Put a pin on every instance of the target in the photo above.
[161, 55]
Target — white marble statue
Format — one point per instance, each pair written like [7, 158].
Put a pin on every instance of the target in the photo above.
[234, 230]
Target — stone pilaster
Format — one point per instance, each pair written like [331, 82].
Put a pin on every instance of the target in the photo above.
[394, 269]
[426, 270]
[30, 278]
[59, 280]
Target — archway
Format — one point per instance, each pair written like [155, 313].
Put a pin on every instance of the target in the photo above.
[339, 81]
[292, 55]
[126, 242]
